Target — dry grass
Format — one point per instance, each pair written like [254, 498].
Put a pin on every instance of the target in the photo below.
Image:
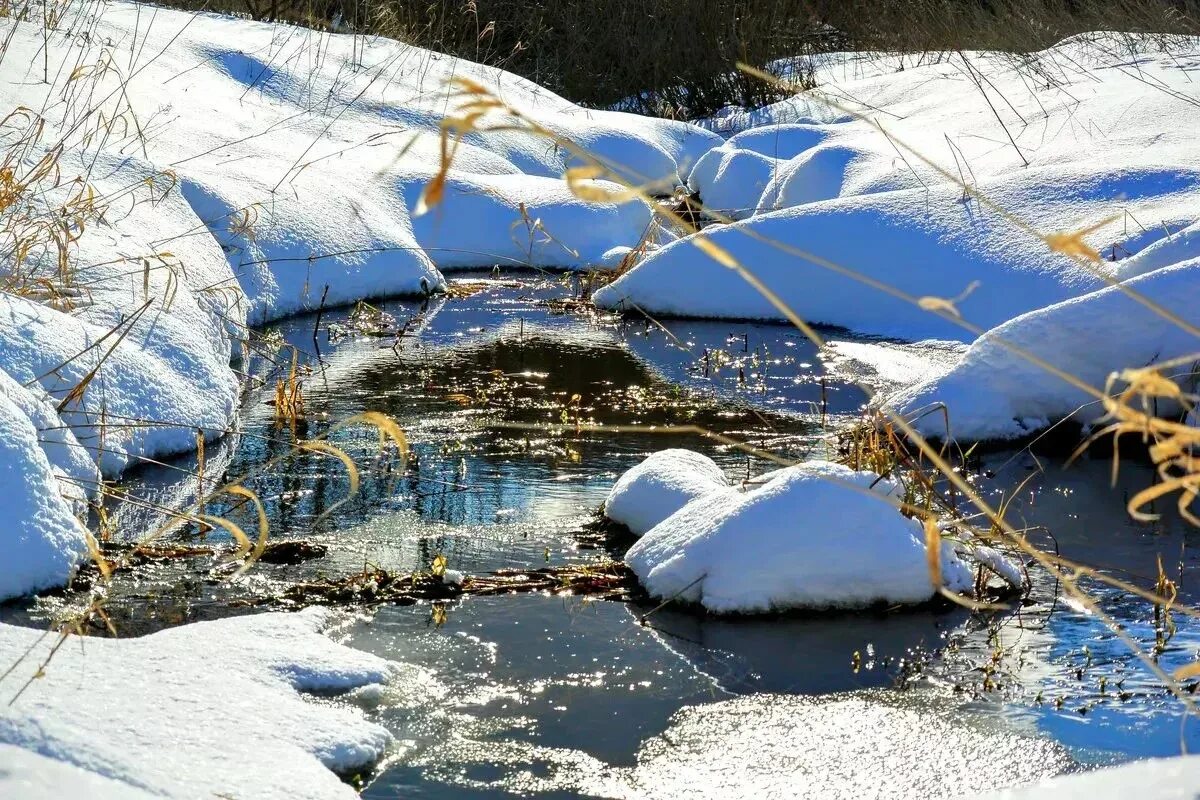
[675, 58]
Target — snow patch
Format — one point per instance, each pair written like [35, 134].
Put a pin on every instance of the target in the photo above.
[208, 709]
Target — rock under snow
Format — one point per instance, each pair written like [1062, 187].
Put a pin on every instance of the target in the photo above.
[661, 485]
[817, 535]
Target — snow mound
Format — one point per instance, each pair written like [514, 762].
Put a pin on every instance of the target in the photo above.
[820, 174]
[204, 710]
[1154, 779]
[730, 181]
[661, 485]
[732, 178]
[995, 393]
[817, 535]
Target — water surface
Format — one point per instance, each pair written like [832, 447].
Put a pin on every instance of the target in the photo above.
[567, 697]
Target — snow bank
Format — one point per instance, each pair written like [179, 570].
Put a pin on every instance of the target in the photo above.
[42, 538]
[864, 201]
[817, 535]
[994, 393]
[921, 254]
[1154, 779]
[661, 485]
[204, 710]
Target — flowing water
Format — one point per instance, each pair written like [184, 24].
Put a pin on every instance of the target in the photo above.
[567, 697]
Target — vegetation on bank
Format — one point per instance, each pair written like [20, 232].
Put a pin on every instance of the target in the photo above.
[677, 58]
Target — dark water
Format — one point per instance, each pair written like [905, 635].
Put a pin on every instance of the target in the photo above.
[565, 697]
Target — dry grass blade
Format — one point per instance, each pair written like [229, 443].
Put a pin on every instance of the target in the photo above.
[388, 429]
[933, 550]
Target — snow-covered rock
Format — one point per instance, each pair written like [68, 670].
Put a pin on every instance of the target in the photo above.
[817, 535]
[995, 392]
[205, 710]
[661, 485]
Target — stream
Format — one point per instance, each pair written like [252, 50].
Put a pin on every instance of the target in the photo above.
[558, 696]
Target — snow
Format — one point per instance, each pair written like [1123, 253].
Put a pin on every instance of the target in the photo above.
[1154, 779]
[208, 709]
[993, 392]
[1099, 147]
[243, 172]
[29, 776]
[661, 485]
[42, 537]
[814, 536]
[862, 228]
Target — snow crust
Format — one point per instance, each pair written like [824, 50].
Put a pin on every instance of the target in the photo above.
[208, 709]
[661, 485]
[814, 536]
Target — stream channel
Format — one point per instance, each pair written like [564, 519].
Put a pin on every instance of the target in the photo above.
[556, 696]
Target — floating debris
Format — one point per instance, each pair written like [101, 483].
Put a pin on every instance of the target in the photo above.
[607, 580]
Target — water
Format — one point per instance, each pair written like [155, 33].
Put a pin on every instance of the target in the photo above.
[566, 697]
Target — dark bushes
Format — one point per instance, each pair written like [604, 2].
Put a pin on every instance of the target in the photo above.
[676, 57]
